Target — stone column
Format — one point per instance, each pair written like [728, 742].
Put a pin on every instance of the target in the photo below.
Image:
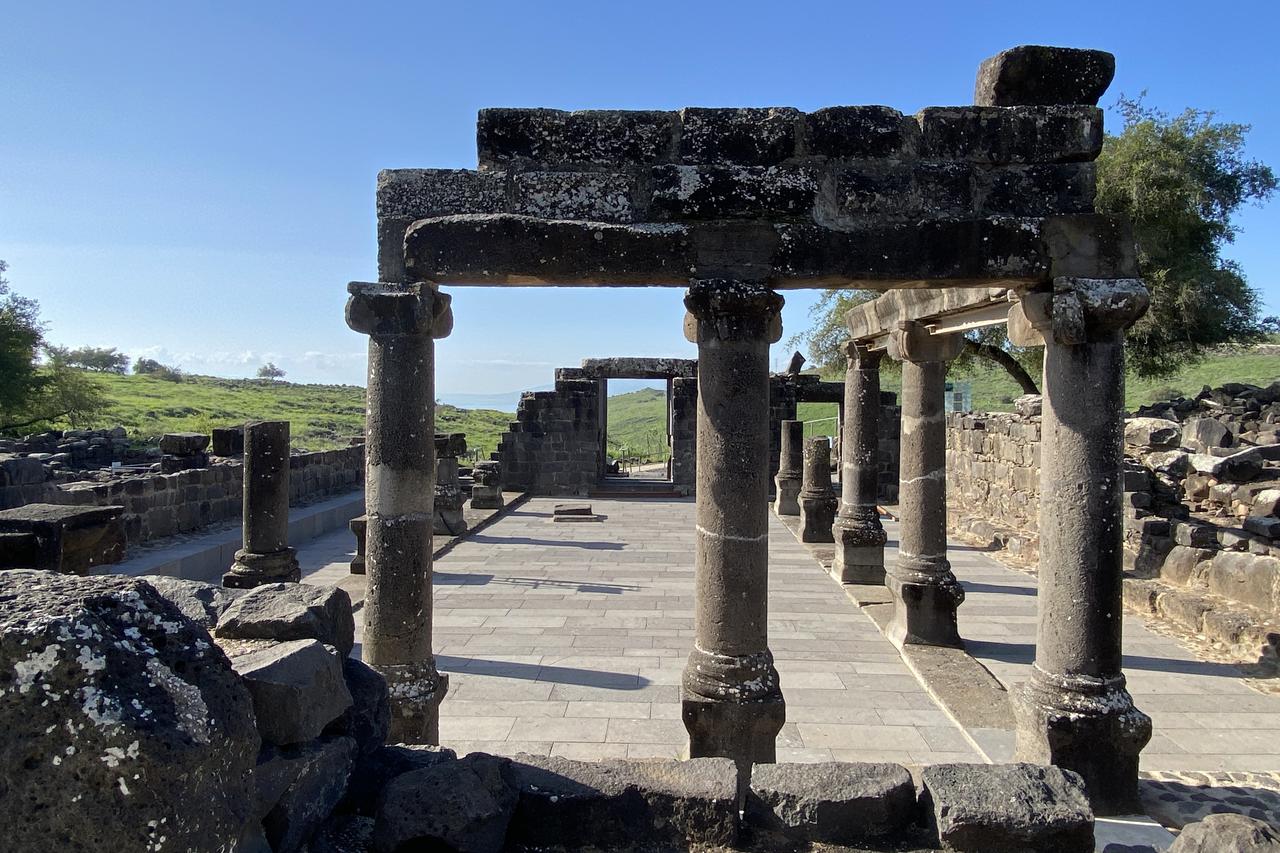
[266, 556]
[790, 475]
[401, 321]
[1075, 711]
[857, 531]
[448, 518]
[486, 489]
[731, 701]
[817, 497]
[925, 592]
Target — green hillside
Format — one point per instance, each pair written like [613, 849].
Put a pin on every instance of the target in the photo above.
[638, 424]
[641, 414]
[321, 416]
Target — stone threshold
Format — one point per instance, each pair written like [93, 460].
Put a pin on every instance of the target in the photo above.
[477, 520]
[205, 556]
[961, 686]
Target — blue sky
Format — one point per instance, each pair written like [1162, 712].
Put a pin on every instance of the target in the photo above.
[195, 181]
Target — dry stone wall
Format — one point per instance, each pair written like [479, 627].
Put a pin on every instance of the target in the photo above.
[993, 480]
[159, 505]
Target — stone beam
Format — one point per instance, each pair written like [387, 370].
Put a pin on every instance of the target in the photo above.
[871, 322]
[638, 368]
[491, 249]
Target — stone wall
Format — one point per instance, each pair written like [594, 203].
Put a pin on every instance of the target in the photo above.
[993, 480]
[159, 505]
[554, 445]
[684, 433]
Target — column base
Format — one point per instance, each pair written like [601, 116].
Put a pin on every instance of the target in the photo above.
[448, 519]
[416, 691]
[817, 514]
[732, 707]
[787, 500]
[1088, 725]
[925, 598]
[487, 497]
[250, 569]
[859, 556]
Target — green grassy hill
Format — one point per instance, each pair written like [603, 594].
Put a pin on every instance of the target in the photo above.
[321, 416]
[638, 424]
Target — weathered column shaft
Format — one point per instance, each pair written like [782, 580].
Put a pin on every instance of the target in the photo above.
[1075, 710]
[817, 497]
[924, 590]
[265, 555]
[731, 701]
[857, 531]
[401, 321]
[790, 475]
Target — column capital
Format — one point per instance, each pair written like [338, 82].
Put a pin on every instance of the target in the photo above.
[384, 308]
[861, 353]
[1078, 311]
[731, 310]
[911, 341]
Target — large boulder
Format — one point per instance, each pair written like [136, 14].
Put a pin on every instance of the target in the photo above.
[1033, 74]
[618, 804]
[1008, 808]
[202, 603]
[297, 688]
[1200, 434]
[833, 802]
[291, 611]
[124, 726]
[1227, 833]
[463, 805]
[1240, 467]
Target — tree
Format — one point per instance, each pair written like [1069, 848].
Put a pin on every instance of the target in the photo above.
[270, 371]
[1181, 180]
[21, 337]
[32, 394]
[98, 359]
[146, 366]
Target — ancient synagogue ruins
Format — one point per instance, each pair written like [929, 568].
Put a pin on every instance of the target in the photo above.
[146, 709]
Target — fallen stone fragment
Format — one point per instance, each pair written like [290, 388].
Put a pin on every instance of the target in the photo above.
[1003, 808]
[1227, 833]
[833, 802]
[1036, 74]
[368, 720]
[343, 833]
[122, 721]
[615, 804]
[322, 769]
[291, 611]
[1029, 405]
[1151, 432]
[374, 770]
[1266, 503]
[1200, 434]
[463, 805]
[183, 443]
[202, 603]
[297, 689]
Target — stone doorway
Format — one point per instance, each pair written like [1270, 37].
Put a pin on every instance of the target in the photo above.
[637, 450]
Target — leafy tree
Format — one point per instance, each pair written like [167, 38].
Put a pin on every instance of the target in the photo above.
[1181, 180]
[21, 337]
[98, 359]
[270, 371]
[145, 366]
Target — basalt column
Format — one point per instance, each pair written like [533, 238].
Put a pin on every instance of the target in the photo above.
[1075, 711]
[857, 531]
[790, 475]
[265, 556]
[731, 701]
[817, 497]
[925, 592]
[401, 321]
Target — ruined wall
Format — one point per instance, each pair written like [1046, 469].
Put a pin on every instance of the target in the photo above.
[553, 447]
[993, 480]
[158, 505]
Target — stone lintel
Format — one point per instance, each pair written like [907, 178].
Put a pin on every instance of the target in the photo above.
[638, 368]
[521, 250]
[880, 315]
[820, 392]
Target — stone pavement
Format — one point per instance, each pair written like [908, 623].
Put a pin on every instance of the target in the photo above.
[1205, 717]
[569, 639]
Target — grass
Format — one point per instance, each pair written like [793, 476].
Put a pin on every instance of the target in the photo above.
[637, 424]
[322, 417]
